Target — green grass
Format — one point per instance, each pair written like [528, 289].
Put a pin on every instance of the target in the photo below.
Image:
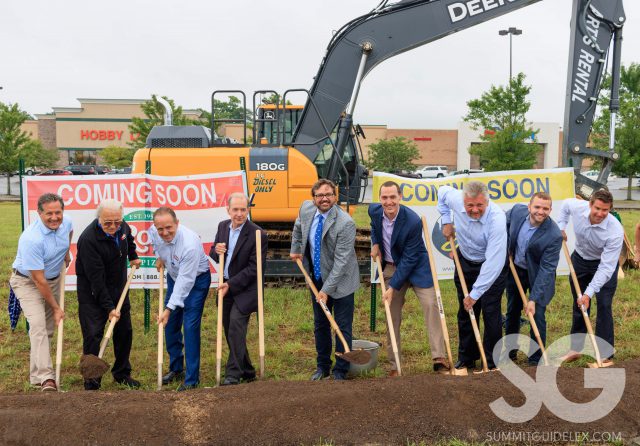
[290, 353]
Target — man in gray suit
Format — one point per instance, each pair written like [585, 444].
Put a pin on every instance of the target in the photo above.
[324, 239]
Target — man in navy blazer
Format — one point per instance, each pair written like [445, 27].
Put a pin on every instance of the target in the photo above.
[534, 244]
[396, 236]
[236, 238]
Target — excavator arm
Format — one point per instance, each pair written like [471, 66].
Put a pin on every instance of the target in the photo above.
[391, 29]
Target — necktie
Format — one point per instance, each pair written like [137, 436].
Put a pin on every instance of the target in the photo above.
[317, 238]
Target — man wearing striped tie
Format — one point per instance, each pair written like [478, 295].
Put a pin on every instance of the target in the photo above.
[324, 239]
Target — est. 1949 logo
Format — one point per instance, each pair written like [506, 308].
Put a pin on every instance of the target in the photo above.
[140, 221]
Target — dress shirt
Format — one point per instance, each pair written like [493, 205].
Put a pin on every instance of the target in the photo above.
[522, 243]
[482, 240]
[594, 242]
[233, 239]
[41, 248]
[387, 232]
[313, 229]
[184, 260]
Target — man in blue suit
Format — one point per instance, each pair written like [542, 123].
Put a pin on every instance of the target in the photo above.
[396, 236]
[534, 244]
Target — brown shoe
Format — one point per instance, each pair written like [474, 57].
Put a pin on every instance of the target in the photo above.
[392, 373]
[441, 365]
[571, 356]
[49, 385]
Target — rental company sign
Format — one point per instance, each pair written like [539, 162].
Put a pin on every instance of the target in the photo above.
[199, 201]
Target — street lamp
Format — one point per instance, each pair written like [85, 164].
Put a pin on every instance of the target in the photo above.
[512, 31]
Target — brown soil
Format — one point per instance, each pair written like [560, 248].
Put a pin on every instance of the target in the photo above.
[92, 367]
[424, 408]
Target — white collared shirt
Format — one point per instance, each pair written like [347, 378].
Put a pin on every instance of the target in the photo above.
[183, 258]
[594, 242]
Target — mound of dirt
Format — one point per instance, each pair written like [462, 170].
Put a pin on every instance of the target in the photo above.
[423, 408]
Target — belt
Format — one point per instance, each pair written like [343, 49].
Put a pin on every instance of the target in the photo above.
[18, 273]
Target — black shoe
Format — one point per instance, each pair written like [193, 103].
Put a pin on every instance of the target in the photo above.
[318, 375]
[92, 384]
[465, 364]
[339, 377]
[248, 378]
[128, 381]
[182, 387]
[171, 377]
[230, 381]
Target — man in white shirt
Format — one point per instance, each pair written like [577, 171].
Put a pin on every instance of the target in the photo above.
[481, 232]
[599, 238]
[179, 250]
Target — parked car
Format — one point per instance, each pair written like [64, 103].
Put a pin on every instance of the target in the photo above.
[405, 173]
[81, 169]
[27, 171]
[124, 170]
[466, 171]
[55, 172]
[432, 172]
[103, 170]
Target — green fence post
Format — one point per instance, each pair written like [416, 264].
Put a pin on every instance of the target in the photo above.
[147, 292]
[373, 307]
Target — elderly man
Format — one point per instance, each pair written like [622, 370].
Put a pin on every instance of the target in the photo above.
[101, 267]
[179, 250]
[324, 239]
[599, 238]
[43, 250]
[396, 236]
[236, 238]
[534, 244]
[481, 232]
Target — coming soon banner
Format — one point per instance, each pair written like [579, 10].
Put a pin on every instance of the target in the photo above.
[199, 202]
[505, 189]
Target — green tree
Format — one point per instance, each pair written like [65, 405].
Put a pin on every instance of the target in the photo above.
[392, 154]
[15, 143]
[274, 98]
[117, 156]
[503, 111]
[627, 143]
[154, 112]
[229, 109]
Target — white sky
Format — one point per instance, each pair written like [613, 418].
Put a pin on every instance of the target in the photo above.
[54, 52]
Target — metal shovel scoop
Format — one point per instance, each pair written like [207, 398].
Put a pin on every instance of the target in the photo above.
[359, 357]
[92, 366]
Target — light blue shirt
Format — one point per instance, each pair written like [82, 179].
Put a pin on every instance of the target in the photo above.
[314, 228]
[40, 248]
[387, 233]
[482, 240]
[522, 243]
[233, 240]
[183, 258]
[594, 242]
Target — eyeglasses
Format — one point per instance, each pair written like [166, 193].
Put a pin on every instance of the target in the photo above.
[115, 223]
[321, 196]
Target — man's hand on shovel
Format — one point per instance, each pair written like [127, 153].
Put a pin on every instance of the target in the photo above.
[114, 314]
[165, 317]
[583, 301]
[58, 315]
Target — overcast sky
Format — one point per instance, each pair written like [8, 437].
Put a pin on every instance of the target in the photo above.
[54, 52]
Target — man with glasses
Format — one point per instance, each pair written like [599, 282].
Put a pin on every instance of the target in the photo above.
[324, 239]
[101, 268]
[43, 250]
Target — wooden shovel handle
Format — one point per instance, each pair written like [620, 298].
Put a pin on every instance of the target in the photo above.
[219, 322]
[112, 322]
[387, 310]
[160, 327]
[63, 274]
[260, 300]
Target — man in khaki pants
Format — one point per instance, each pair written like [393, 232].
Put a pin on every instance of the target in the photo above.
[396, 236]
[43, 250]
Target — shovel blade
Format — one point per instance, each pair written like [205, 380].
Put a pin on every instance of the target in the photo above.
[92, 367]
[359, 357]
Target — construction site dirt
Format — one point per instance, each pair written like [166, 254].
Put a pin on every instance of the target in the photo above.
[418, 409]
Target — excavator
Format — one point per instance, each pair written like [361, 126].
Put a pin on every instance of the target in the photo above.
[291, 147]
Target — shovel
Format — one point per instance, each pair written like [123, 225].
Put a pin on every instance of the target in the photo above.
[60, 328]
[355, 356]
[436, 285]
[532, 321]
[472, 316]
[160, 328]
[585, 315]
[92, 366]
[219, 322]
[260, 300]
[387, 310]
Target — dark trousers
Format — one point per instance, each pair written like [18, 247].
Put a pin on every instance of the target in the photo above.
[342, 309]
[487, 306]
[585, 270]
[93, 319]
[191, 317]
[514, 310]
[235, 326]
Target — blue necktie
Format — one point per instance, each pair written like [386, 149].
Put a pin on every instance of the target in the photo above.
[317, 238]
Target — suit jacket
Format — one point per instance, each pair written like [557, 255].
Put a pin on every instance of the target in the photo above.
[407, 247]
[542, 254]
[101, 266]
[338, 263]
[243, 277]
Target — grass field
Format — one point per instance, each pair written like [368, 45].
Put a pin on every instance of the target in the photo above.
[290, 353]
